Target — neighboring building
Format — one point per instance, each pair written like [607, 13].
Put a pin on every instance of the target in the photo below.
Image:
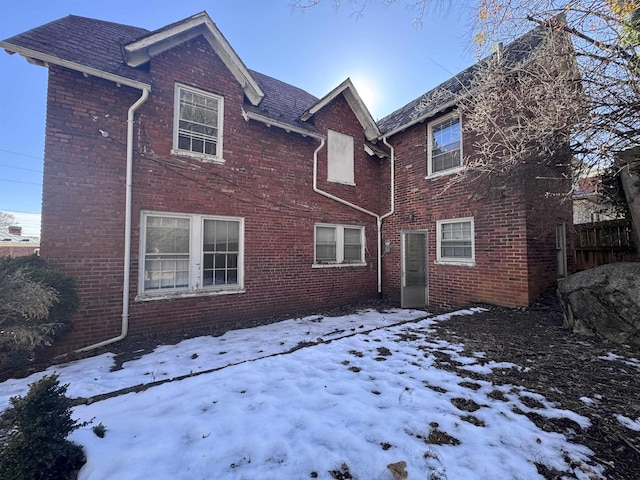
[589, 206]
[212, 194]
[14, 244]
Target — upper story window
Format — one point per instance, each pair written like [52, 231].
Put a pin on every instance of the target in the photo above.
[191, 253]
[339, 244]
[444, 145]
[197, 129]
[340, 167]
[455, 241]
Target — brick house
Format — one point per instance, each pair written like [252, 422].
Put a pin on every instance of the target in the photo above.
[14, 244]
[182, 189]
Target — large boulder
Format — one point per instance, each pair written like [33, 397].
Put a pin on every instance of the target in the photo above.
[604, 301]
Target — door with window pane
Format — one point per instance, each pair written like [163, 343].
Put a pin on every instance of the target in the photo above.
[414, 291]
[561, 248]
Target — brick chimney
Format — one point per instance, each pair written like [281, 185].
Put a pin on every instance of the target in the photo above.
[15, 230]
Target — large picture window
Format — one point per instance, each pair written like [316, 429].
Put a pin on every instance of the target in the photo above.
[191, 253]
[339, 245]
[444, 145]
[455, 241]
[198, 119]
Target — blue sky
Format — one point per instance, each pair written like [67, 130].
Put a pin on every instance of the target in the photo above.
[390, 61]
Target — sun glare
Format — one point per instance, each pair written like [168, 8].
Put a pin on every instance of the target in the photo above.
[367, 92]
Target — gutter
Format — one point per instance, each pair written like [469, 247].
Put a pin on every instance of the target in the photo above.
[269, 122]
[379, 218]
[43, 59]
[127, 228]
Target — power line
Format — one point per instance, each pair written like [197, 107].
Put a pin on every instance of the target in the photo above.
[21, 168]
[21, 154]
[19, 181]
[8, 210]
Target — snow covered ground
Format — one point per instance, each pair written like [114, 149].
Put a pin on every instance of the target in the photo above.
[326, 398]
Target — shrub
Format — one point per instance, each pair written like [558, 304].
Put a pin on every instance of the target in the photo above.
[36, 304]
[34, 431]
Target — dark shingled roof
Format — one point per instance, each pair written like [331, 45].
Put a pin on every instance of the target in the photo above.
[85, 41]
[282, 102]
[98, 44]
[444, 95]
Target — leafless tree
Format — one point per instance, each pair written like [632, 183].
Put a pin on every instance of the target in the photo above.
[590, 105]
[579, 93]
[6, 220]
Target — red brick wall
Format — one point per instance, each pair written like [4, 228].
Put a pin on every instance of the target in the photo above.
[544, 212]
[502, 272]
[266, 179]
[17, 250]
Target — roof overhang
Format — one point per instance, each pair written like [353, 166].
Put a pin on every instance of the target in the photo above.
[269, 122]
[142, 50]
[44, 60]
[423, 117]
[360, 110]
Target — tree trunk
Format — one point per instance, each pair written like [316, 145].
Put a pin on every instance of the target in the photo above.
[630, 179]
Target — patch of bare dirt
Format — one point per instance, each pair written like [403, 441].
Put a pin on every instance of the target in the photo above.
[566, 369]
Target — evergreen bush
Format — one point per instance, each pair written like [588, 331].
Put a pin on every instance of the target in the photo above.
[33, 435]
[36, 304]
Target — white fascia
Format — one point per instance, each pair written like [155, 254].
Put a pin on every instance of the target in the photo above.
[269, 122]
[140, 51]
[360, 110]
[44, 60]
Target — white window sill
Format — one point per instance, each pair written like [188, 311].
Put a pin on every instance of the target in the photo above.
[151, 296]
[340, 182]
[442, 173]
[457, 263]
[338, 265]
[199, 156]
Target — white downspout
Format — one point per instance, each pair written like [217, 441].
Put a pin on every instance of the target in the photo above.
[356, 207]
[127, 228]
[392, 162]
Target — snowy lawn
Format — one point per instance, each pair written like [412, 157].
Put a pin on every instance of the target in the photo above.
[327, 398]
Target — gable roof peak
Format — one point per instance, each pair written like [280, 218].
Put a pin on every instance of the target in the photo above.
[142, 49]
[447, 95]
[348, 90]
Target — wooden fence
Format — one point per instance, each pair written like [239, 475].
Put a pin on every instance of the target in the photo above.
[603, 242]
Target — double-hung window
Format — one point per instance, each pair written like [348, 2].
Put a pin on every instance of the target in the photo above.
[339, 245]
[455, 241]
[444, 145]
[197, 129]
[190, 253]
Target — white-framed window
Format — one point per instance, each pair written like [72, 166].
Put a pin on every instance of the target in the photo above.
[340, 165]
[186, 253]
[455, 241]
[444, 145]
[197, 125]
[339, 245]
